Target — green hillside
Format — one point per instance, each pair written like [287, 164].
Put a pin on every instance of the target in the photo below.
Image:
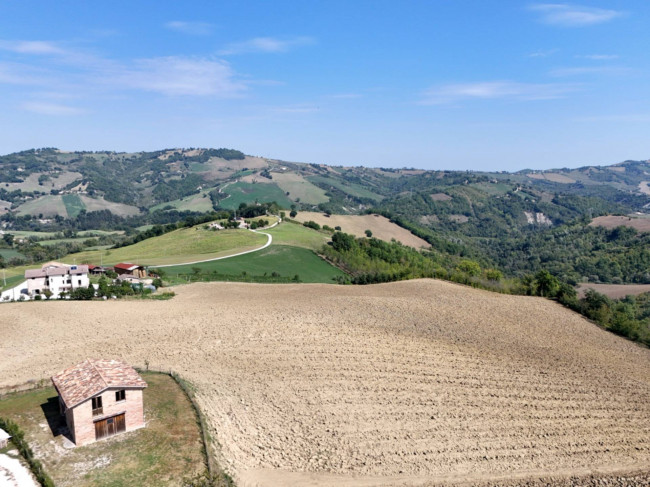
[184, 245]
[281, 260]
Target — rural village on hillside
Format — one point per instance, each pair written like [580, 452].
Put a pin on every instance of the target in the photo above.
[356, 244]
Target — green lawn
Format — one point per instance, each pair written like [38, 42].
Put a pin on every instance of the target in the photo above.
[283, 259]
[184, 245]
[168, 449]
[73, 204]
[297, 235]
[249, 193]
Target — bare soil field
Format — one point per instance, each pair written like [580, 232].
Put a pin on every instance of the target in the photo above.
[440, 197]
[411, 383]
[552, 176]
[381, 227]
[644, 187]
[613, 221]
[614, 291]
[96, 204]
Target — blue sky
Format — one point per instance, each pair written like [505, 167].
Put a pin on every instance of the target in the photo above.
[438, 84]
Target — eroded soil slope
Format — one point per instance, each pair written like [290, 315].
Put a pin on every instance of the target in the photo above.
[409, 383]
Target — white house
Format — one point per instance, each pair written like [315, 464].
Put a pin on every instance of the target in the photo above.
[57, 278]
[4, 438]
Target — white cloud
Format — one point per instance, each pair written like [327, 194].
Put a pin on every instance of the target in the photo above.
[71, 71]
[265, 44]
[175, 76]
[45, 108]
[32, 47]
[191, 28]
[494, 90]
[346, 96]
[599, 57]
[296, 109]
[568, 15]
[543, 53]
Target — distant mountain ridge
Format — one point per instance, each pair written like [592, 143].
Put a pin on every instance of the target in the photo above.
[50, 182]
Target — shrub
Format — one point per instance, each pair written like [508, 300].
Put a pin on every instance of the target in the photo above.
[18, 439]
[312, 224]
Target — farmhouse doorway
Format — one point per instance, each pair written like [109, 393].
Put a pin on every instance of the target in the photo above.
[110, 426]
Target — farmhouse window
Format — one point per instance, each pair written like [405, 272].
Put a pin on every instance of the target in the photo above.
[120, 395]
[97, 406]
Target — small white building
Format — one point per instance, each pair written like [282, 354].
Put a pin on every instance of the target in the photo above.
[4, 438]
[57, 278]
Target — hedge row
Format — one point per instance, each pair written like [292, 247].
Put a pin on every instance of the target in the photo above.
[18, 439]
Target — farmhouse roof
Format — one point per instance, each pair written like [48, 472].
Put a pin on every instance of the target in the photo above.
[56, 271]
[92, 376]
[4, 435]
[127, 267]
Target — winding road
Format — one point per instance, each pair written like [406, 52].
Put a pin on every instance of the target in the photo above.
[268, 242]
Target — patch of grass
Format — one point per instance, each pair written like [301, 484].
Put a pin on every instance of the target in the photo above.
[11, 281]
[49, 205]
[284, 260]
[184, 245]
[299, 187]
[73, 204]
[167, 450]
[10, 253]
[249, 193]
[297, 235]
[194, 202]
[349, 188]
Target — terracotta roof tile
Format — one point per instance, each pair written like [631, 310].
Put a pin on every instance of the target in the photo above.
[90, 377]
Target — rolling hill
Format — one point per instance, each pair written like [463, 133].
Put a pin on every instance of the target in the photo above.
[412, 383]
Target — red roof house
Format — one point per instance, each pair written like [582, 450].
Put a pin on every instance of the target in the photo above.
[133, 269]
[100, 398]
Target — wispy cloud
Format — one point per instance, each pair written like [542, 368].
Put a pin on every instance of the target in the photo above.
[265, 44]
[599, 57]
[191, 28]
[71, 71]
[508, 90]
[32, 47]
[346, 96]
[543, 53]
[568, 15]
[175, 76]
[590, 70]
[45, 108]
[300, 108]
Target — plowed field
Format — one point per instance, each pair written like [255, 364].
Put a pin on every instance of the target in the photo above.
[411, 383]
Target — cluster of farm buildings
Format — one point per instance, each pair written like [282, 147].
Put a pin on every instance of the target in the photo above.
[55, 280]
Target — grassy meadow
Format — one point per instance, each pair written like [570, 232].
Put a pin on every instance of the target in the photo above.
[245, 192]
[167, 450]
[184, 245]
[284, 260]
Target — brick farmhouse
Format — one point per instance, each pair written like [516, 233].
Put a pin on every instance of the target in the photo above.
[100, 398]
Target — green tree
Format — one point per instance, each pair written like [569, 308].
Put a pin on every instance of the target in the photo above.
[469, 267]
[546, 284]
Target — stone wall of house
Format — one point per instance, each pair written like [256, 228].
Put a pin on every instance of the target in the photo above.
[83, 427]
